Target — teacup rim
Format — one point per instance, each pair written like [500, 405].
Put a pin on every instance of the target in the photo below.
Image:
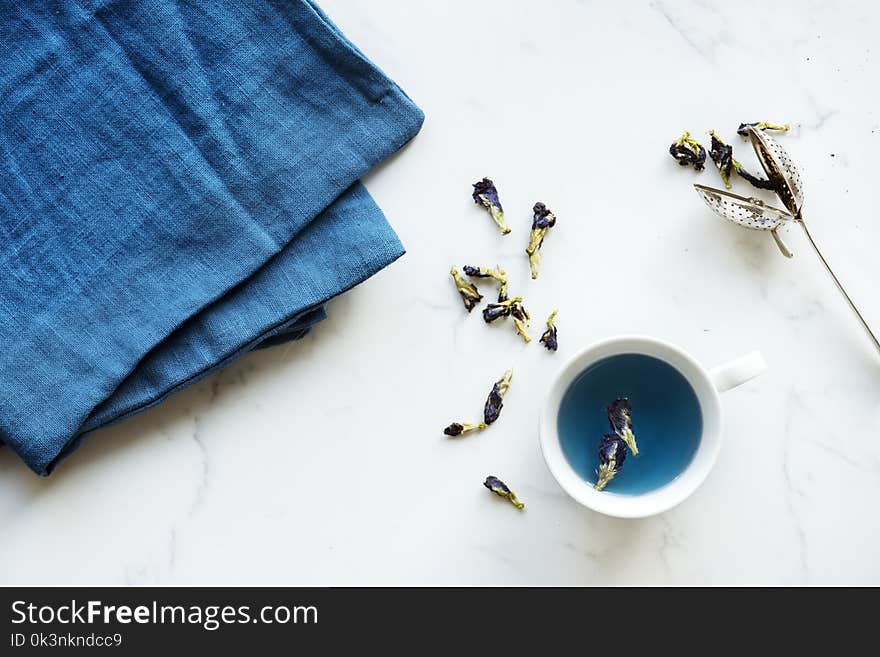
[661, 499]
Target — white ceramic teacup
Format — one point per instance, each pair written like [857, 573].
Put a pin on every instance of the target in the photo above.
[705, 383]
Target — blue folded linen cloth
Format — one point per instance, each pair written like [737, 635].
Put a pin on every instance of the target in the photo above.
[179, 186]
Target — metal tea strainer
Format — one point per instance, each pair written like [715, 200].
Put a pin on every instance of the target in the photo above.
[754, 213]
[749, 212]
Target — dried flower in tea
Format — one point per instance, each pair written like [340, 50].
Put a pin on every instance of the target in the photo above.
[468, 291]
[542, 221]
[496, 398]
[498, 487]
[458, 428]
[743, 129]
[620, 417]
[501, 309]
[612, 454]
[548, 338]
[496, 274]
[722, 156]
[486, 194]
[521, 320]
[688, 152]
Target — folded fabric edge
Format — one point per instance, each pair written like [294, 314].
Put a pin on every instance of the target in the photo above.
[293, 332]
[295, 329]
[310, 317]
[354, 215]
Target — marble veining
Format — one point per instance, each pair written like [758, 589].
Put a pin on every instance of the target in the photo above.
[323, 462]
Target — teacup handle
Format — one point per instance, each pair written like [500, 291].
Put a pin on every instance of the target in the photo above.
[736, 372]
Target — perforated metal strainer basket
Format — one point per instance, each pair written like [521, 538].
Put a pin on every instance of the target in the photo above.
[749, 212]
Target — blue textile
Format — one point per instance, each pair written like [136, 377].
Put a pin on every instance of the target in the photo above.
[179, 185]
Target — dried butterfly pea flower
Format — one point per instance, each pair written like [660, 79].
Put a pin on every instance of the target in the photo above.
[498, 487]
[612, 454]
[502, 291]
[496, 274]
[482, 272]
[521, 320]
[760, 183]
[501, 309]
[620, 417]
[542, 221]
[688, 152]
[486, 194]
[468, 291]
[496, 398]
[722, 156]
[458, 428]
[548, 338]
[743, 129]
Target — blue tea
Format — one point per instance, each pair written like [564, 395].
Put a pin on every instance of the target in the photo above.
[666, 420]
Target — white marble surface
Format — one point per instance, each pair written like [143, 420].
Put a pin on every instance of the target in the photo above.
[322, 462]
